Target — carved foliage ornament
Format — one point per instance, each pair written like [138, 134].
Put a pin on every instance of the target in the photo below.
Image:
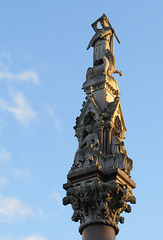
[98, 203]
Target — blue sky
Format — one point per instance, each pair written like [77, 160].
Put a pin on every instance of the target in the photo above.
[43, 62]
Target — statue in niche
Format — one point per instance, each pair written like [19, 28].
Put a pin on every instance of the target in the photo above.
[121, 159]
[103, 43]
[87, 153]
[118, 145]
[91, 140]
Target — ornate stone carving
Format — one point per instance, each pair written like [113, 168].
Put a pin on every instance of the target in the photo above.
[85, 158]
[88, 151]
[102, 41]
[123, 162]
[91, 140]
[99, 203]
[99, 182]
[118, 145]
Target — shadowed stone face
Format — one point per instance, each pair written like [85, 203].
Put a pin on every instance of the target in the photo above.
[103, 23]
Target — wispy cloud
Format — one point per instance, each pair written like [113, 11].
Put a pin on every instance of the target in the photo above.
[57, 197]
[35, 237]
[27, 76]
[20, 237]
[4, 155]
[56, 120]
[12, 208]
[23, 76]
[22, 110]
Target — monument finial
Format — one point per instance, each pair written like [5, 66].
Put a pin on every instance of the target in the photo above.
[103, 44]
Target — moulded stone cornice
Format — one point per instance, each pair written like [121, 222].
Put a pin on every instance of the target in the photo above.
[115, 174]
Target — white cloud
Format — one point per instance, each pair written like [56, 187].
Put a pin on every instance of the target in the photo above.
[55, 119]
[35, 237]
[20, 237]
[57, 197]
[12, 208]
[22, 110]
[27, 76]
[4, 155]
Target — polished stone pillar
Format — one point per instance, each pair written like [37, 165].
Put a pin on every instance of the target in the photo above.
[98, 232]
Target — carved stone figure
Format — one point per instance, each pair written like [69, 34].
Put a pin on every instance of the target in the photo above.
[120, 155]
[123, 162]
[85, 158]
[103, 43]
[87, 154]
[91, 140]
[101, 40]
[118, 145]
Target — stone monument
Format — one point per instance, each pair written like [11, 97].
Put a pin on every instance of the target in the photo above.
[99, 185]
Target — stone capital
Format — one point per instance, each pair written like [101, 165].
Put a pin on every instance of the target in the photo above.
[99, 203]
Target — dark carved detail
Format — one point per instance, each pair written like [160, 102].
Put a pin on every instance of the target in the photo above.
[99, 203]
[89, 118]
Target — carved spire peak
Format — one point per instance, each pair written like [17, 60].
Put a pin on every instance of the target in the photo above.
[99, 79]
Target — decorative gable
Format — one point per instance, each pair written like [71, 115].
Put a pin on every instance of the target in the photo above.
[115, 111]
[89, 106]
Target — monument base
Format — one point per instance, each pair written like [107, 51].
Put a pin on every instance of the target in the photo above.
[98, 231]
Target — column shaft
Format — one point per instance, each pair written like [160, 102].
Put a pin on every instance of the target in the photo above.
[98, 232]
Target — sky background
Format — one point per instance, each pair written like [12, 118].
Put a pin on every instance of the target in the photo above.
[43, 63]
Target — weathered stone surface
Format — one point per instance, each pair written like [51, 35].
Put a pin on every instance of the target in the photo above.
[99, 203]
[115, 175]
[99, 185]
[103, 44]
